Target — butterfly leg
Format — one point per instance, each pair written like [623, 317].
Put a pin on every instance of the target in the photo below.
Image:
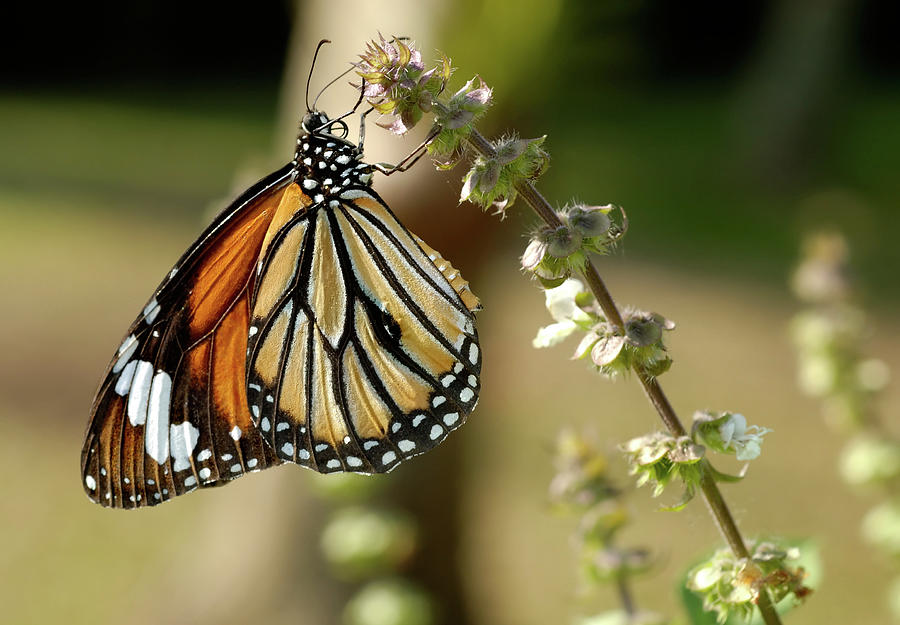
[410, 160]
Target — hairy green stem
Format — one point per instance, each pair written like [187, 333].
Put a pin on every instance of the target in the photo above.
[711, 493]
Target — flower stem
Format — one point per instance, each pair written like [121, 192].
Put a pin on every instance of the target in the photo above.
[714, 500]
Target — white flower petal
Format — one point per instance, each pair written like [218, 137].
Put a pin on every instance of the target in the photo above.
[550, 335]
[748, 450]
[560, 301]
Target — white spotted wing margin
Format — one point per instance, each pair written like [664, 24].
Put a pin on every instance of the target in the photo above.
[363, 350]
[170, 415]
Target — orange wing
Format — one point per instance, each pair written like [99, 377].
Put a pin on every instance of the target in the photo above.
[171, 413]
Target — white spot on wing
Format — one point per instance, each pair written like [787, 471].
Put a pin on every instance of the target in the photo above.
[437, 401]
[205, 472]
[333, 464]
[450, 419]
[156, 431]
[353, 194]
[473, 353]
[303, 454]
[287, 449]
[353, 461]
[417, 420]
[126, 351]
[123, 384]
[406, 446]
[252, 462]
[369, 445]
[140, 393]
[448, 380]
[90, 482]
[264, 424]
[436, 431]
[182, 439]
[235, 433]
[466, 394]
[206, 454]
[388, 457]
[190, 480]
[151, 310]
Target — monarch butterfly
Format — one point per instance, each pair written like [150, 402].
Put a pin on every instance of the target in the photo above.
[305, 325]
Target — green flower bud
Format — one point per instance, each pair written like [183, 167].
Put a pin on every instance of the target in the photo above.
[869, 460]
[359, 542]
[590, 221]
[728, 433]
[390, 602]
[642, 332]
[563, 242]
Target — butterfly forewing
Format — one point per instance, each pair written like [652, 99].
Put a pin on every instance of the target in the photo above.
[171, 413]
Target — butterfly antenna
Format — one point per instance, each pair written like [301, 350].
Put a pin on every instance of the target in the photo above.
[311, 68]
[331, 82]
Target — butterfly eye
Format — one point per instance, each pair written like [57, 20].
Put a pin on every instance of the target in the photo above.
[314, 121]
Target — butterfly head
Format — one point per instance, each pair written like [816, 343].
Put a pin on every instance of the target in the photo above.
[327, 165]
[319, 124]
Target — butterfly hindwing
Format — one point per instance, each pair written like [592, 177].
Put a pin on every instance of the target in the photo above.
[363, 349]
[171, 413]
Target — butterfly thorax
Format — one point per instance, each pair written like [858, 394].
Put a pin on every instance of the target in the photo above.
[328, 168]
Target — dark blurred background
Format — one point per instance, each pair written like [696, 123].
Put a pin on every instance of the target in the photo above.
[727, 130]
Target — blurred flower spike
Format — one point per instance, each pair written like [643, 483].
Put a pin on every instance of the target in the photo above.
[728, 433]
[659, 457]
[396, 83]
[582, 477]
[730, 585]
[492, 181]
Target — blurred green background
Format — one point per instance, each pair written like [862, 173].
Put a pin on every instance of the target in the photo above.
[726, 130]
